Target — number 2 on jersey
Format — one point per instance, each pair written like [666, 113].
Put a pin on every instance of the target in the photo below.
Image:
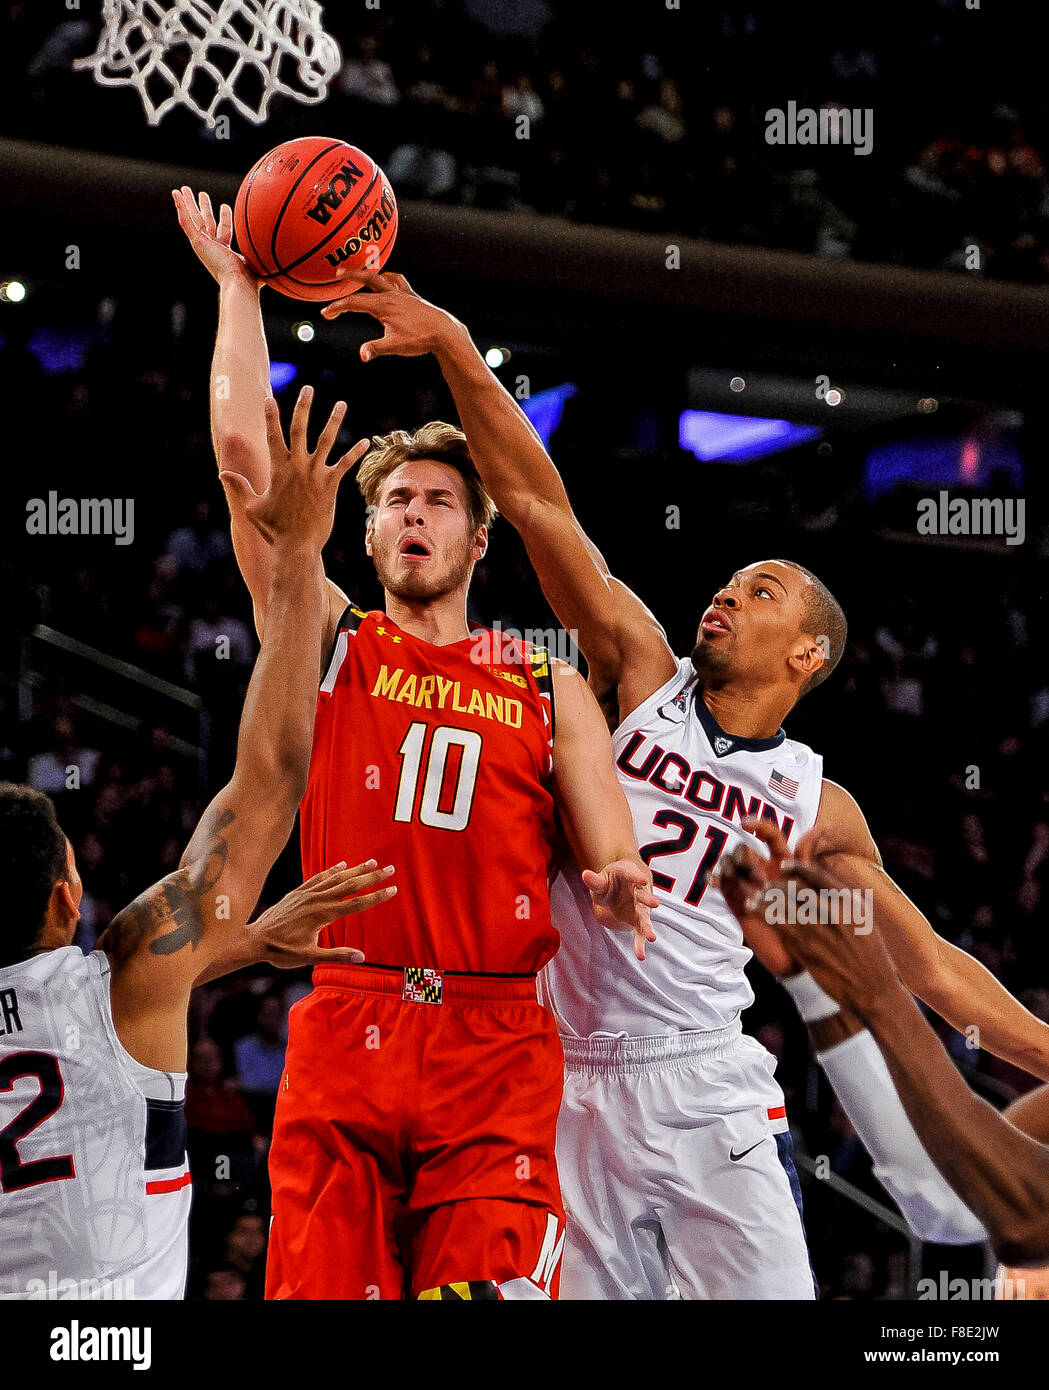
[444, 740]
[15, 1171]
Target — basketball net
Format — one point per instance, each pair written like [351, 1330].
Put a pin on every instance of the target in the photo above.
[194, 53]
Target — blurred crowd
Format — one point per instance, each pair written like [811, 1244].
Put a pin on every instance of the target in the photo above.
[658, 124]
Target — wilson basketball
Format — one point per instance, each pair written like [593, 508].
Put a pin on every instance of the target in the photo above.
[310, 208]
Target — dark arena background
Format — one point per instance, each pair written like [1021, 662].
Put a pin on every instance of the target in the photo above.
[733, 349]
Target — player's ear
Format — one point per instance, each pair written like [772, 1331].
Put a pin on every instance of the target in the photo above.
[807, 657]
[368, 533]
[481, 542]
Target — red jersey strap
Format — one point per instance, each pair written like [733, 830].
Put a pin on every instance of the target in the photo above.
[543, 672]
[351, 619]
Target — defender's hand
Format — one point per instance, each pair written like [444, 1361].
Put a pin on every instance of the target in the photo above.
[299, 504]
[287, 932]
[622, 899]
[411, 325]
[742, 878]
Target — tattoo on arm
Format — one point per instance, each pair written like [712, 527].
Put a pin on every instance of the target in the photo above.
[178, 903]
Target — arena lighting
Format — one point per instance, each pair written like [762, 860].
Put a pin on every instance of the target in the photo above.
[545, 409]
[12, 291]
[738, 438]
[305, 332]
[282, 374]
[834, 396]
[496, 357]
[737, 384]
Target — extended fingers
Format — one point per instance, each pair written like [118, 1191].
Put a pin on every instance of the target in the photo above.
[351, 458]
[329, 433]
[300, 421]
[274, 433]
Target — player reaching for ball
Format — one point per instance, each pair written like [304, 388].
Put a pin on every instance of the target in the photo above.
[94, 1187]
[704, 1208]
[413, 1145]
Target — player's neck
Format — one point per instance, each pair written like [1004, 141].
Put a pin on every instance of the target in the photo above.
[746, 713]
[440, 621]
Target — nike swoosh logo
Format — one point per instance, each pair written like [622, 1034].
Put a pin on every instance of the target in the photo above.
[735, 1157]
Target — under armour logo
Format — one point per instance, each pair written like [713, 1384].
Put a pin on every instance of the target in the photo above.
[722, 745]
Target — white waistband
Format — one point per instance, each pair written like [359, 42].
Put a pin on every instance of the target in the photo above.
[610, 1054]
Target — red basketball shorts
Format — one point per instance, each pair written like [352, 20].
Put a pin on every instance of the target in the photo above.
[413, 1142]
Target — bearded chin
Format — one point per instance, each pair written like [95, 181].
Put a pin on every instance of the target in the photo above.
[708, 662]
[416, 587]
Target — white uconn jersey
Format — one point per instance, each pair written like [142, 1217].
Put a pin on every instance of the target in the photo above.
[94, 1184]
[689, 786]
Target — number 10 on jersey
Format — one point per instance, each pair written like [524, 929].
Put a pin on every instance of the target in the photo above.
[451, 751]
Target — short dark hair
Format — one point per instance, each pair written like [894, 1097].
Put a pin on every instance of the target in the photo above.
[32, 860]
[825, 619]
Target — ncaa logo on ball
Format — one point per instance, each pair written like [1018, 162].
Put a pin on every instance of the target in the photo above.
[338, 187]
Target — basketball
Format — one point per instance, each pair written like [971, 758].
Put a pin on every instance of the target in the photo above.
[310, 208]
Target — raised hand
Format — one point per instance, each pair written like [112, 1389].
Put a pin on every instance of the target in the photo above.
[287, 932]
[411, 325]
[212, 241]
[742, 877]
[299, 504]
[849, 961]
[622, 898]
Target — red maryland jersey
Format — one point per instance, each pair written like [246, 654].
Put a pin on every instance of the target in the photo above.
[437, 760]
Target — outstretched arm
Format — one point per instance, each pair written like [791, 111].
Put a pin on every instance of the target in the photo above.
[848, 1054]
[1001, 1174]
[625, 647]
[175, 931]
[240, 386]
[945, 977]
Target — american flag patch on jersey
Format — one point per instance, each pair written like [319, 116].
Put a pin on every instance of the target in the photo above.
[786, 786]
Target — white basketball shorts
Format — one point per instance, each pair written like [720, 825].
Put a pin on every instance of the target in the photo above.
[675, 1165]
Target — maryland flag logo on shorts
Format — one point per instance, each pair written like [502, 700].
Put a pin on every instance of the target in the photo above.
[421, 985]
[469, 1292]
